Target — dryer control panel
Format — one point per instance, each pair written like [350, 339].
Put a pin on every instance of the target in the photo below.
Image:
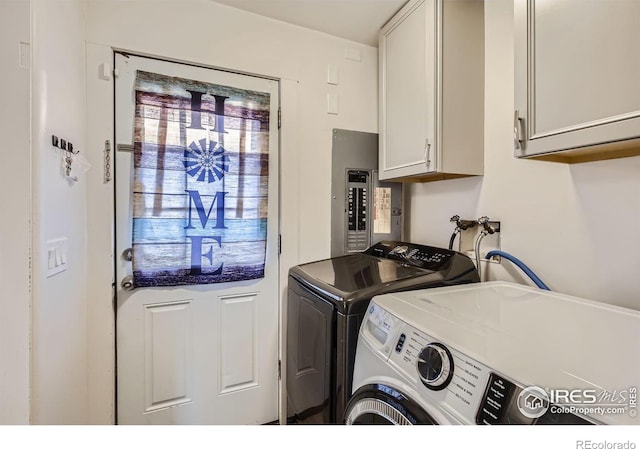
[421, 256]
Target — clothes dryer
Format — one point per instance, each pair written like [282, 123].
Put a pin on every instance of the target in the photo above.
[327, 300]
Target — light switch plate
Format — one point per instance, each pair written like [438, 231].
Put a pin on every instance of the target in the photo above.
[57, 252]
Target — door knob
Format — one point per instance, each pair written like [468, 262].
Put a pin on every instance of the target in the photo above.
[127, 283]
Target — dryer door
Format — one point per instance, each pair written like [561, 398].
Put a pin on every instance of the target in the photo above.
[381, 404]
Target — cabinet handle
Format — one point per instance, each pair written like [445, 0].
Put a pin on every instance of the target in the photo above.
[427, 153]
[517, 130]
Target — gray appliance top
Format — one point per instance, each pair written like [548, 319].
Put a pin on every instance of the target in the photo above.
[385, 267]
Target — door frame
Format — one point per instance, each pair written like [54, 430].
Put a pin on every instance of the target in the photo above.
[100, 90]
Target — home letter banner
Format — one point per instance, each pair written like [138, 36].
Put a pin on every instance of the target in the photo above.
[201, 168]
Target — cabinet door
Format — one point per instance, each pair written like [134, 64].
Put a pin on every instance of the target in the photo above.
[407, 92]
[577, 74]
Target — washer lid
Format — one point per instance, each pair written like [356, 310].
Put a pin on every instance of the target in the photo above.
[358, 276]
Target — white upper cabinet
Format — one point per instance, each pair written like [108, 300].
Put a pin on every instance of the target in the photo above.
[577, 79]
[432, 91]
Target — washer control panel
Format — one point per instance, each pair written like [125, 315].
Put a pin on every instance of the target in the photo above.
[380, 329]
[443, 375]
[435, 366]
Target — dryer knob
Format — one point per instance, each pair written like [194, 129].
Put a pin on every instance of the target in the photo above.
[435, 366]
[401, 250]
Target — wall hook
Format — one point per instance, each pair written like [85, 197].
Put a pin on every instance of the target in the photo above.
[63, 145]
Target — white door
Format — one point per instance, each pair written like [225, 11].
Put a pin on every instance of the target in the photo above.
[207, 353]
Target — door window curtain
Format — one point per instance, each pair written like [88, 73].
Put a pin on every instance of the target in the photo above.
[200, 182]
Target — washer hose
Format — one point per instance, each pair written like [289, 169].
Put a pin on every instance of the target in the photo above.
[520, 264]
[477, 251]
[453, 237]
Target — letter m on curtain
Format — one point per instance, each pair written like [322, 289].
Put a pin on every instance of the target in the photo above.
[201, 159]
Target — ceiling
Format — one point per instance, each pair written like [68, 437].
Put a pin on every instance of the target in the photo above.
[356, 20]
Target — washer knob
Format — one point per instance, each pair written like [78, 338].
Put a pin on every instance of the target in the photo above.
[435, 366]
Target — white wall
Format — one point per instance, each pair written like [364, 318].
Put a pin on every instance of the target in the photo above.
[15, 198]
[574, 226]
[59, 354]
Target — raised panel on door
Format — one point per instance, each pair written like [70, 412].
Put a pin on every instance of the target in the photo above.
[577, 73]
[168, 355]
[239, 345]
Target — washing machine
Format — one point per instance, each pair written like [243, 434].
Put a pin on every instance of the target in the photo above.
[495, 353]
[326, 303]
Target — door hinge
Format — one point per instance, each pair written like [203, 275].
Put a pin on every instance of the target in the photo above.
[279, 369]
[279, 244]
[279, 118]
[107, 161]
